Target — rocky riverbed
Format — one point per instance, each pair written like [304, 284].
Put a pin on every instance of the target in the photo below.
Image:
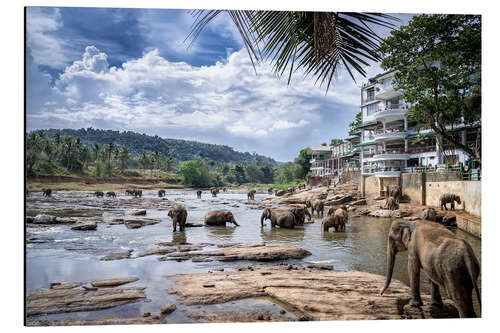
[78, 245]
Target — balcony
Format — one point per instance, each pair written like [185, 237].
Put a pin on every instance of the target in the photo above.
[389, 156]
[390, 135]
[381, 172]
[386, 91]
[391, 113]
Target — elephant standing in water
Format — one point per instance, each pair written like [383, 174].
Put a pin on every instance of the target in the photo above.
[179, 216]
[316, 205]
[198, 194]
[251, 195]
[448, 262]
[336, 218]
[46, 192]
[214, 191]
[284, 218]
[161, 193]
[219, 218]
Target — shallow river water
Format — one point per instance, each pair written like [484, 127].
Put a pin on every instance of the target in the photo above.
[69, 255]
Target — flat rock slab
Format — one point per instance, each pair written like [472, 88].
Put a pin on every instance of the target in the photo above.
[314, 294]
[51, 301]
[389, 213]
[171, 249]
[88, 225]
[104, 321]
[117, 256]
[240, 316]
[113, 282]
[258, 252]
[139, 222]
[135, 212]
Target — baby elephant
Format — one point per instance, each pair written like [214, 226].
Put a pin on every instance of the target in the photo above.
[179, 216]
[111, 194]
[337, 220]
[214, 191]
[161, 193]
[198, 194]
[449, 198]
[316, 205]
[99, 194]
[219, 218]
[391, 203]
[46, 192]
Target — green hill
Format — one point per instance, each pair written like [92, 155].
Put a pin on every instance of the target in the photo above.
[182, 150]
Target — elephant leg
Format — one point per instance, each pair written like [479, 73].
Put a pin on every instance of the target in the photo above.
[452, 206]
[461, 294]
[436, 300]
[175, 225]
[414, 275]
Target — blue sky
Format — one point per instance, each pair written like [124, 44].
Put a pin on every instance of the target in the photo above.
[130, 69]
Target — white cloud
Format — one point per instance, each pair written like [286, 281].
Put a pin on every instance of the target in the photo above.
[155, 95]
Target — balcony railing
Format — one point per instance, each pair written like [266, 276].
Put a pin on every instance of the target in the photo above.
[368, 99]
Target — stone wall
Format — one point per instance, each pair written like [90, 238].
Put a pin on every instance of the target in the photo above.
[412, 185]
[442, 176]
[352, 176]
[469, 192]
[371, 187]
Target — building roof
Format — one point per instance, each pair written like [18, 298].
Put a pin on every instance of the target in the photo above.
[366, 124]
[323, 149]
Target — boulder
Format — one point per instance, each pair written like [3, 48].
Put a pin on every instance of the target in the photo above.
[88, 225]
[135, 212]
[113, 282]
[450, 221]
[167, 309]
[138, 222]
[44, 219]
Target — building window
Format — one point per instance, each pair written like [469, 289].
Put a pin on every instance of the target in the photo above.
[370, 109]
[370, 94]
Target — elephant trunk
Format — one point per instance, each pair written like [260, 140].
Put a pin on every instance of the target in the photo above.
[391, 258]
[236, 224]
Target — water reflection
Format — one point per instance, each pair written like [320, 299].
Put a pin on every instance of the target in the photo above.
[216, 233]
[179, 237]
[269, 234]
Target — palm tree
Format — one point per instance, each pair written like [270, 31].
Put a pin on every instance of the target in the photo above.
[124, 157]
[95, 152]
[316, 42]
[143, 161]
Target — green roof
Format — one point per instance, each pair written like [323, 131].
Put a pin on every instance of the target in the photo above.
[368, 123]
[352, 137]
[366, 144]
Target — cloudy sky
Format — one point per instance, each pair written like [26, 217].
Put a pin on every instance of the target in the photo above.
[130, 69]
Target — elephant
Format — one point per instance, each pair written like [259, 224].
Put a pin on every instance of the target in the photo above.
[219, 218]
[270, 190]
[224, 189]
[449, 198]
[391, 203]
[129, 192]
[161, 193]
[214, 191]
[46, 192]
[429, 214]
[284, 218]
[99, 194]
[448, 262]
[316, 205]
[332, 210]
[179, 215]
[198, 194]
[137, 193]
[306, 211]
[111, 194]
[393, 191]
[338, 220]
[251, 194]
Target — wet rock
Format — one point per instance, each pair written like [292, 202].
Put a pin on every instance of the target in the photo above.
[70, 300]
[340, 200]
[193, 225]
[44, 219]
[167, 309]
[147, 314]
[241, 316]
[258, 252]
[450, 221]
[88, 225]
[386, 213]
[320, 266]
[29, 219]
[201, 259]
[113, 282]
[157, 251]
[139, 222]
[65, 220]
[411, 218]
[39, 240]
[117, 256]
[135, 212]
[313, 294]
[428, 311]
[104, 321]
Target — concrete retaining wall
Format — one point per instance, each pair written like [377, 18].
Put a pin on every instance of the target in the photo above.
[469, 192]
[412, 185]
[371, 187]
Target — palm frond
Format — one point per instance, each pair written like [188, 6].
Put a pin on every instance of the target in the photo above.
[314, 42]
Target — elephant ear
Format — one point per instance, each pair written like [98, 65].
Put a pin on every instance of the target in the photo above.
[405, 235]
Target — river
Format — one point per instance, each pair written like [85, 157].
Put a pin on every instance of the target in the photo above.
[69, 255]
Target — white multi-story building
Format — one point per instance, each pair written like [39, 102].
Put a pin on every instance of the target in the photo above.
[388, 135]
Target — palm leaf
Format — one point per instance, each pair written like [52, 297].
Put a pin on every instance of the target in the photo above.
[314, 42]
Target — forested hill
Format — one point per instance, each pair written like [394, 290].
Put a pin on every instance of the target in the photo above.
[182, 150]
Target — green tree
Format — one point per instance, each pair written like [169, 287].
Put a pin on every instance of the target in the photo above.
[437, 59]
[238, 173]
[335, 142]
[315, 42]
[253, 173]
[123, 157]
[109, 150]
[354, 124]
[267, 174]
[143, 161]
[190, 172]
[304, 160]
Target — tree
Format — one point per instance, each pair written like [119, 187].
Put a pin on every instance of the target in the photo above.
[108, 151]
[315, 42]
[123, 157]
[437, 59]
[189, 170]
[354, 124]
[254, 174]
[155, 160]
[335, 142]
[239, 174]
[169, 163]
[143, 161]
[304, 160]
[267, 174]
